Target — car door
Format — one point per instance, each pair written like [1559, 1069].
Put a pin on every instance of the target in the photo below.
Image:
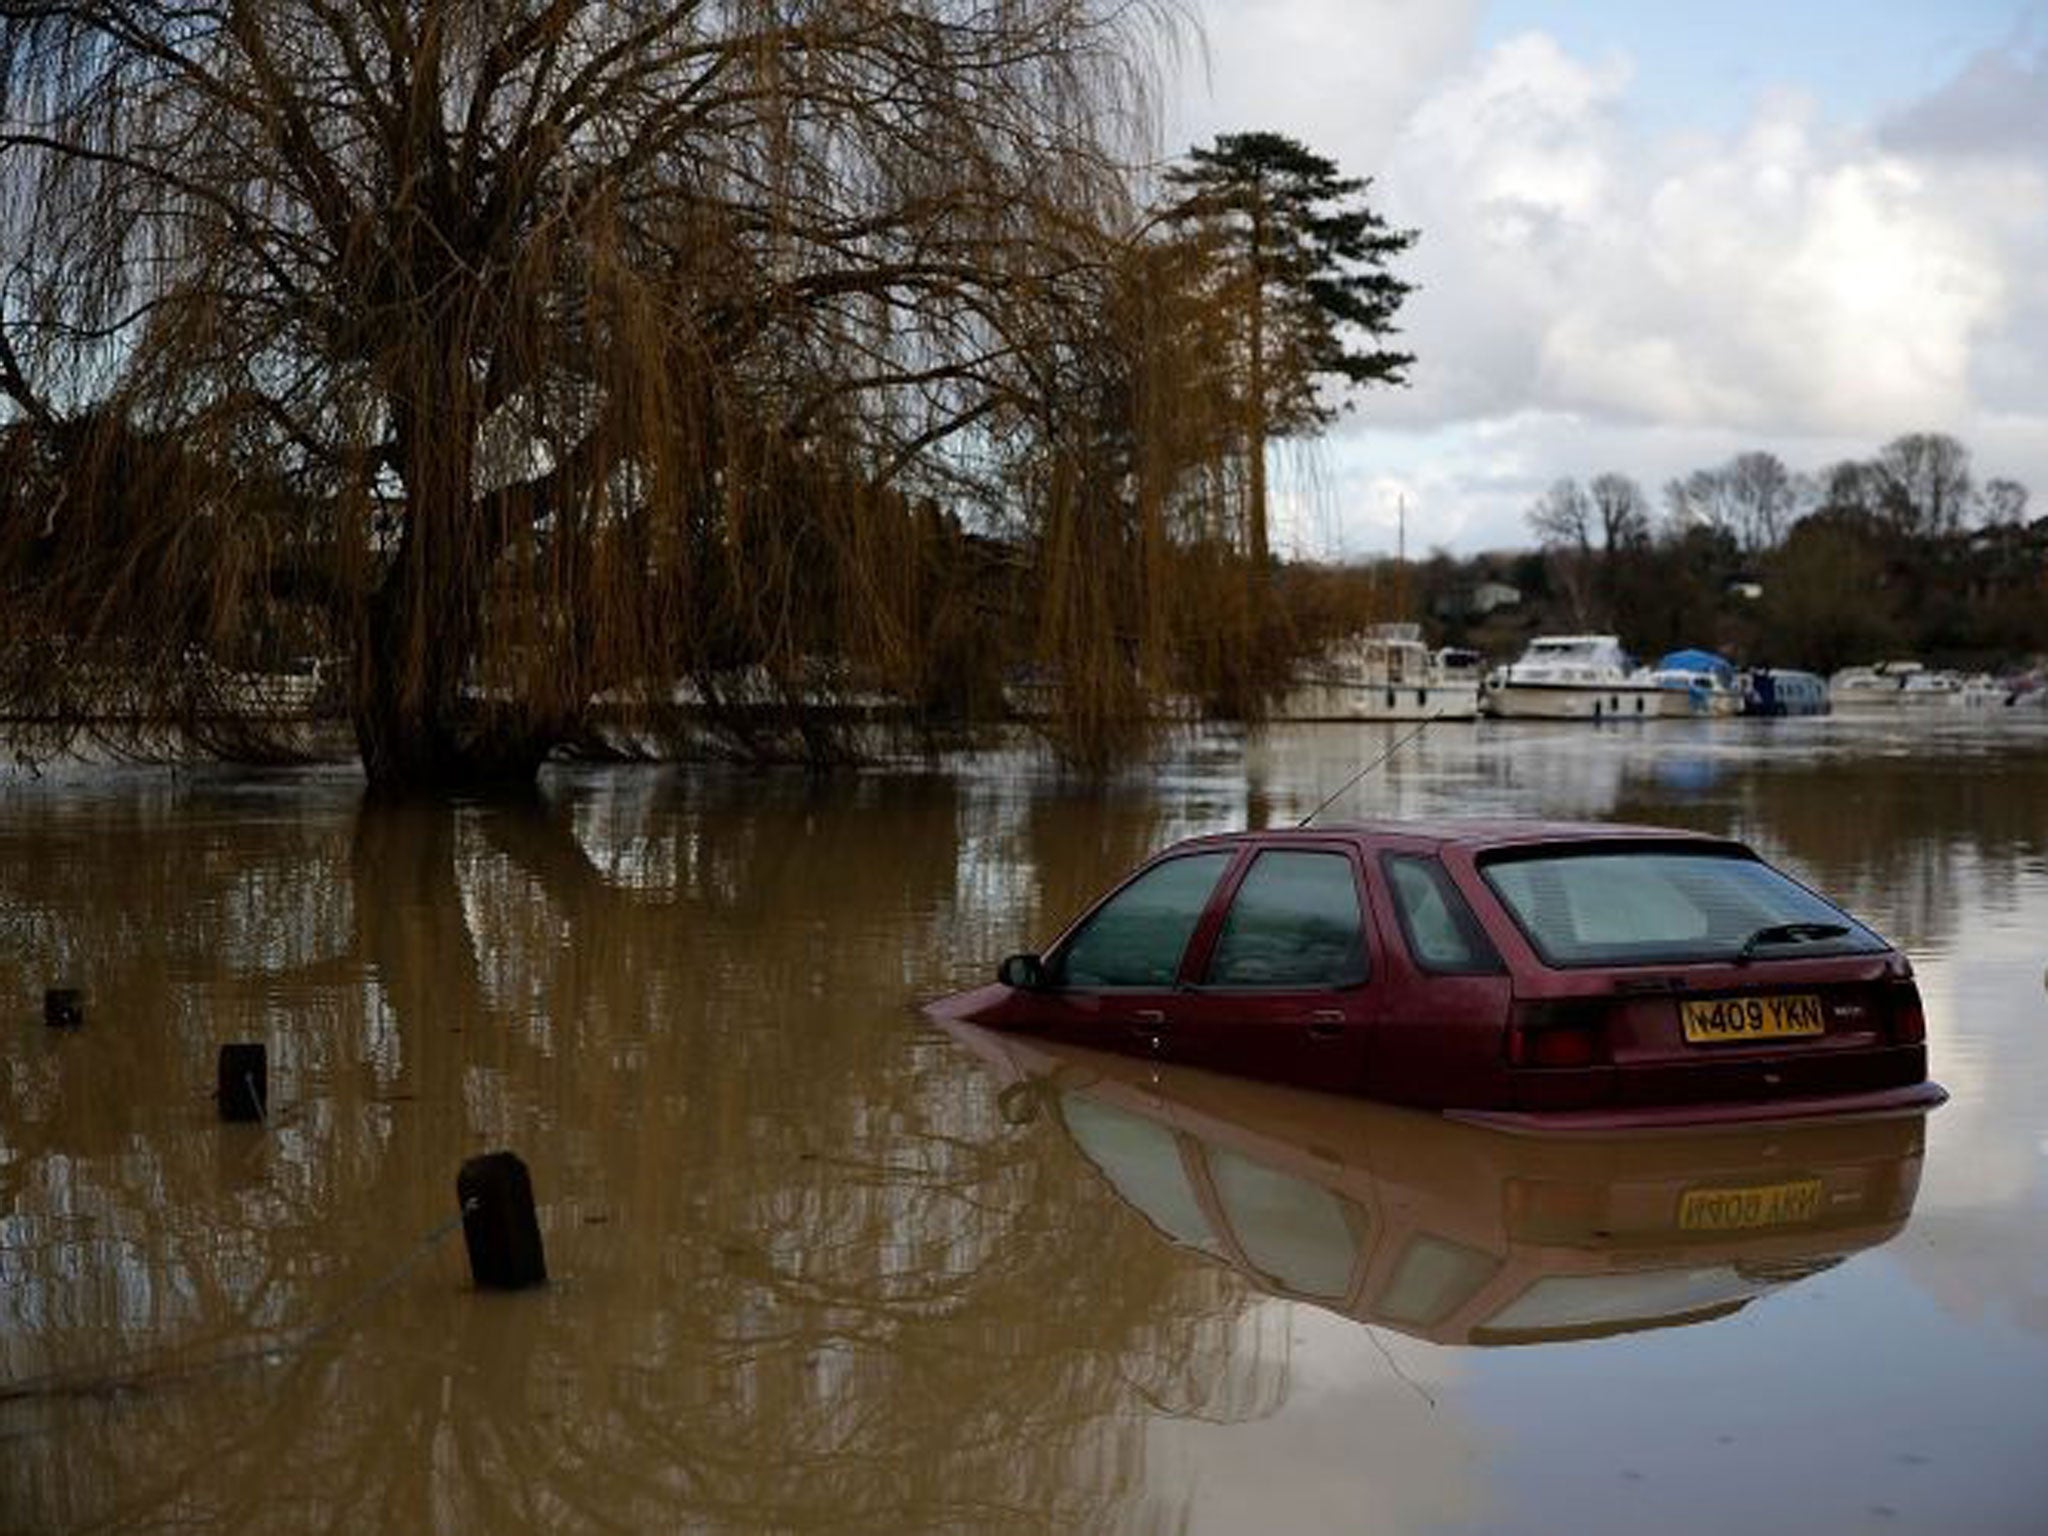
[1114, 982]
[1285, 987]
[1444, 990]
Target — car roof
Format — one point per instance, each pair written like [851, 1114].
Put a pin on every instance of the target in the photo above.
[1475, 833]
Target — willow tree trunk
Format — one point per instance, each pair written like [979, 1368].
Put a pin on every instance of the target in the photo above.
[408, 702]
[421, 720]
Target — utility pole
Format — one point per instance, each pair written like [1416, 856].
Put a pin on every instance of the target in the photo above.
[1401, 554]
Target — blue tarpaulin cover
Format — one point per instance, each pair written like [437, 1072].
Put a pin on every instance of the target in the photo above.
[1699, 661]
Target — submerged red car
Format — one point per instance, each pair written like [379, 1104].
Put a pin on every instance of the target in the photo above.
[1533, 975]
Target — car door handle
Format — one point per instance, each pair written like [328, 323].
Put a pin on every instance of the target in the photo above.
[1326, 1024]
[1148, 1027]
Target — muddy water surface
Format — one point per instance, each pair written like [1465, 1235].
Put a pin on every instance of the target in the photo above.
[818, 1267]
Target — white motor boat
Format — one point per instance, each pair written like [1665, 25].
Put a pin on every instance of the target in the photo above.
[1983, 691]
[1579, 677]
[1386, 673]
[1893, 687]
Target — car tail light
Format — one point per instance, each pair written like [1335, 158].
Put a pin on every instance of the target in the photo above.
[1909, 1022]
[1568, 1034]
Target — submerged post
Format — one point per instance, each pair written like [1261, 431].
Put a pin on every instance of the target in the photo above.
[498, 1223]
[63, 1007]
[242, 1081]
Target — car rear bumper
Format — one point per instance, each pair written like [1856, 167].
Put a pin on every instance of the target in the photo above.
[1906, 1099]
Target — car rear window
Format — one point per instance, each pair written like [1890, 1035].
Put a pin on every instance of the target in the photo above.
[1571, 1302]
[1650, 905]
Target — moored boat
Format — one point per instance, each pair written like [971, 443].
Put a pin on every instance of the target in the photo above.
[1893, 687]
[1707, 681]
[1774, 691]
[1386, 673]
[1578, 677]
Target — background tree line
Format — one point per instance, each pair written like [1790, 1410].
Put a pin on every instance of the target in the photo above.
[1905, 554]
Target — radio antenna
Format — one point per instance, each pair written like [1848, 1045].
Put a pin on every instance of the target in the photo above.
[1368, 768]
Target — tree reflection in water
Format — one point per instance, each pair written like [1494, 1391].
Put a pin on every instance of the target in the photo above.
[804, 1274]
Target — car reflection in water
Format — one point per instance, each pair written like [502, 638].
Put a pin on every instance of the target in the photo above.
[1457, 1233]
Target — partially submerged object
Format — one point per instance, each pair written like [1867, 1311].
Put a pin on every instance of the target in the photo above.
[1458, 1233]
[1532, 975]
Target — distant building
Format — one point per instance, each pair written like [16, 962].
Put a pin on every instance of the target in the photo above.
[1489, 595]
[1477, 600]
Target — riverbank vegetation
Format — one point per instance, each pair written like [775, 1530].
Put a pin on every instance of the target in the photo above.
[1905, 554]
[558, 374]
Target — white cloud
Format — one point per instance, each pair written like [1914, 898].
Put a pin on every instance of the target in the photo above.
[1836, 290]
[1342, 76]
[1996, 106]
[1595, 299]
[1780, 281]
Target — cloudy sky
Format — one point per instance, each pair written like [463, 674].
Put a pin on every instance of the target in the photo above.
[1657, 235]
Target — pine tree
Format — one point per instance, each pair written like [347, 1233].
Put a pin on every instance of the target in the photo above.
[1301, 258]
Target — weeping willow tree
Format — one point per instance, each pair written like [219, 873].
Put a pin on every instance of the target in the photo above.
[1126, 483]
[522, 355]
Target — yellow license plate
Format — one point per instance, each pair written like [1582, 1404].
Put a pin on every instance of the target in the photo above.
[1713, 1020]
[1739, 1210]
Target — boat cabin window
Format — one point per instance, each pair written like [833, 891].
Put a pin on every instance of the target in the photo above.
[1136, 938]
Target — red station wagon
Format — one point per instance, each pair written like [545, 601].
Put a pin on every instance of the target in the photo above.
[1531, 975]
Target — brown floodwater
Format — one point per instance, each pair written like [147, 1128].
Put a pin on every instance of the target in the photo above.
[816, 1266]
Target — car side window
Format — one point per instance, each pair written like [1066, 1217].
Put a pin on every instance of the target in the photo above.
[1441, 931]
[1296, 1233]
[1294, 922]
[1142, 1161]
[1136, 938]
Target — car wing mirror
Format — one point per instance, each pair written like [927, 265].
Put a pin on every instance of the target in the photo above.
[1025, 972]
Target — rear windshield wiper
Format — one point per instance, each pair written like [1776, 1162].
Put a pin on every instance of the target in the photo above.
[1787, 933]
